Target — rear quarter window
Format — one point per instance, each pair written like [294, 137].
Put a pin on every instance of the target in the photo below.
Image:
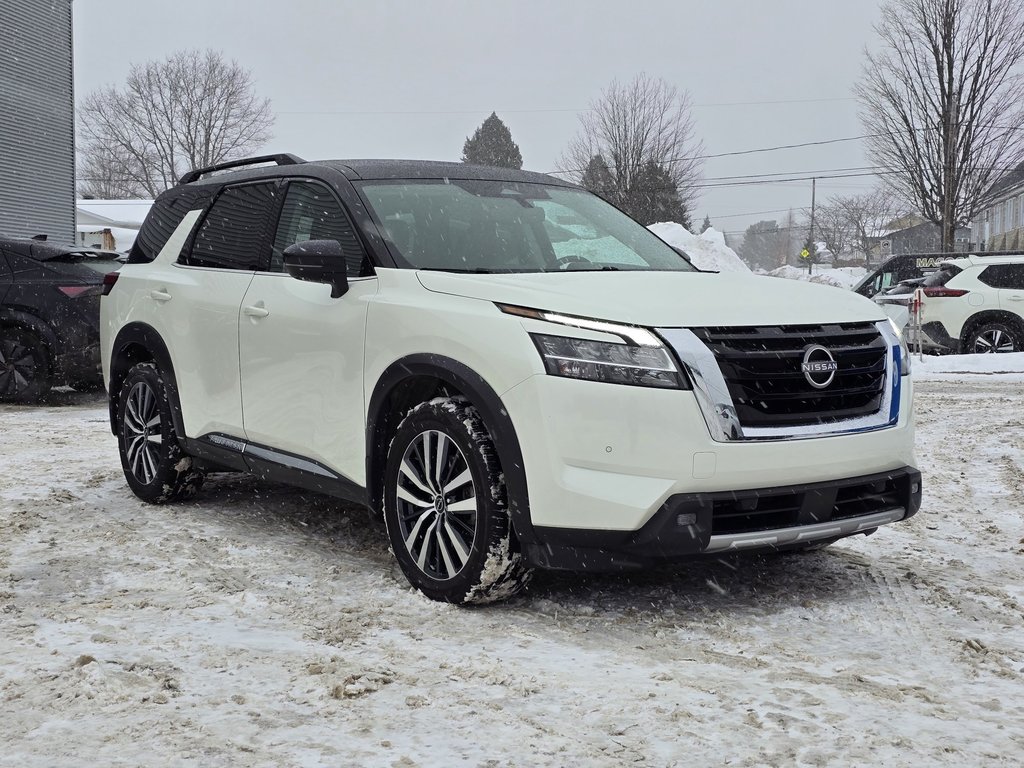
[164, 217]
[1003, 276]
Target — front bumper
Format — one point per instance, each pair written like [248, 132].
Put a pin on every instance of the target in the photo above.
[606, 457]
[690, 525]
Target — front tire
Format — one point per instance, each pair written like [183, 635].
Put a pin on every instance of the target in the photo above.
[994, 338]
[25, 374]
[445, 506]
[156, 468]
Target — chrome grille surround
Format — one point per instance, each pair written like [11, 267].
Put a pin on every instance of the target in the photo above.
[719, 409]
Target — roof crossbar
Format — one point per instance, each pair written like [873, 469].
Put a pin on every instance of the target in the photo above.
[280, 159]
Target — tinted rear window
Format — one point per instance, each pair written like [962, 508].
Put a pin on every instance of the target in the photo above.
[232, 234]
[164, 217]
[942, 276]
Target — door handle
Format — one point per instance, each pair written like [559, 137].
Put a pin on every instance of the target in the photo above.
[1016, 297]
[256, 311]
[160, 295]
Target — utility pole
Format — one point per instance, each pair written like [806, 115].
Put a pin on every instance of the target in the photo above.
[811, 246]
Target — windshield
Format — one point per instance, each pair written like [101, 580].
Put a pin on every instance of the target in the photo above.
[499, 226]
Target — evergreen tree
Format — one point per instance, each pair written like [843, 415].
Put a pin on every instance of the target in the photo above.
[706, 225]
[598, 179]
[491, 144]
[654, 197]
[760, 245]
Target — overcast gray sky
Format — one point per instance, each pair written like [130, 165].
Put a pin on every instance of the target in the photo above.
[413, 78]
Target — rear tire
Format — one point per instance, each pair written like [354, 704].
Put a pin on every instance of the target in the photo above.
[994, 337]
[25, 374]
[156, 468]
[445, 507]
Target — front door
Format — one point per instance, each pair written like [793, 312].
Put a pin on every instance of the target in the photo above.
[301, 352]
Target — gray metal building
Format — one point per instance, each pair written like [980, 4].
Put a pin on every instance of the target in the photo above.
[37, 120]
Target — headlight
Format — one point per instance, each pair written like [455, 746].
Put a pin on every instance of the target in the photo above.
[613, 363]
[904, 349]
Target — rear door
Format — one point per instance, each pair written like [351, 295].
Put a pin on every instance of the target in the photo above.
[1008, 280]
[196, 303]
[301, 352]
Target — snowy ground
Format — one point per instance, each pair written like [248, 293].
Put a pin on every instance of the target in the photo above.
[257, 625]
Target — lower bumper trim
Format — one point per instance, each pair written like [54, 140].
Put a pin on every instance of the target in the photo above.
[804, 533]
[690, 525]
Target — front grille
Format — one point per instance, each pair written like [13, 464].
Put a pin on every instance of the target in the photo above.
[765, 510]
[762, 368]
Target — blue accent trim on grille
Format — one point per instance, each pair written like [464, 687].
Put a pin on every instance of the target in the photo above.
[897, 383]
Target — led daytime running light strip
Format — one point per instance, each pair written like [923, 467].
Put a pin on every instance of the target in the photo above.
[638, 336]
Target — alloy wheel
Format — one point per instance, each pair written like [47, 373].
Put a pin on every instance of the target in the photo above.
[437, 505]
[142, 432]
[17, 367]
[994, 340]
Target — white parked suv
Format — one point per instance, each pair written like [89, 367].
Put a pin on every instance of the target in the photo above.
[511, 371]
[975, 304]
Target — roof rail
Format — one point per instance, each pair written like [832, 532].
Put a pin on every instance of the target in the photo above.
[280, 159]
[953, 255]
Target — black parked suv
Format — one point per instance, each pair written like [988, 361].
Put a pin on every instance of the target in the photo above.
[49, 317]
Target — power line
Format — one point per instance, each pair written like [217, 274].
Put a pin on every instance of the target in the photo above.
[738, 153]
[543, 110]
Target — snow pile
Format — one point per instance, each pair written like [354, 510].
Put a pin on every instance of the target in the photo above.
[840, 277]
[1009, 367]
[708, 249]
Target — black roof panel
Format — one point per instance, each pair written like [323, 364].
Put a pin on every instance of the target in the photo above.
[385, 169]
[432, 169]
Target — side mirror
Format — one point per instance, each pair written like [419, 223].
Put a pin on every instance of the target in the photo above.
[318, 261]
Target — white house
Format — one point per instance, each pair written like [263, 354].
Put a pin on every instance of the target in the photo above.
[1000, 225]
[110, 224]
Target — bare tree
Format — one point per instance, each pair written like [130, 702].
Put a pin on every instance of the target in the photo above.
[944, 101]
[643, 132]
[193, 109]
[830, 228]
[867, 217]
[851, 225]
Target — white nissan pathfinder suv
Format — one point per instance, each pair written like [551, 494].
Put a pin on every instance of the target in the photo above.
[513, 372]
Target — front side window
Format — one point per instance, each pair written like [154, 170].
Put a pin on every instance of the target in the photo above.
[311, 212]
[500, 226]
[232, 234]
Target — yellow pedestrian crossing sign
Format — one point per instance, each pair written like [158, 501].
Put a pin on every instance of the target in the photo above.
[805, 254]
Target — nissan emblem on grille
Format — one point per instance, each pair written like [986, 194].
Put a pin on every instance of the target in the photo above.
[819, 366]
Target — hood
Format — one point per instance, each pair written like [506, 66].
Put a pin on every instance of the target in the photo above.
[665, 299]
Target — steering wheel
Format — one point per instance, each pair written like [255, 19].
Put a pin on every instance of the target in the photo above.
[565, 261]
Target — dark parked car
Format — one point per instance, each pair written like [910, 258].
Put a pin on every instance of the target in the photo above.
[49, 317]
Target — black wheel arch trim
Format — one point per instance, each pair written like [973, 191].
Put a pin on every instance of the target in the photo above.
[480, 394]
[149, 339]
[989, 316]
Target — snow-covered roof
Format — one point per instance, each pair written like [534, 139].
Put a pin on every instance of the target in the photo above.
[128, 214]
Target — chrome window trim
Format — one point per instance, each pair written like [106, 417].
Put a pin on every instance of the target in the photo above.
[719, 409]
